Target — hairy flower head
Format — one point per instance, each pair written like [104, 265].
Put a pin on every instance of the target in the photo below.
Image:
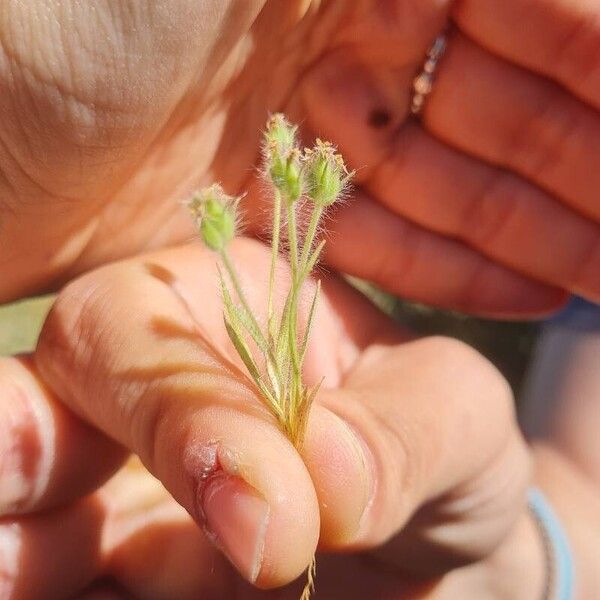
[326, 174]
[215, 213]
[283, 158]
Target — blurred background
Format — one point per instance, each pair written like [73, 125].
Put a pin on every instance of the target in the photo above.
[20, 324]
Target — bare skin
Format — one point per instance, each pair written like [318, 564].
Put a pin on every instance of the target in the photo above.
[137, 516]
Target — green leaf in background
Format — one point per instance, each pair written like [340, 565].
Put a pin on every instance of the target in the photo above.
[21, 323]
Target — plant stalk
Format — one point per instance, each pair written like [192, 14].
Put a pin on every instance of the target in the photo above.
[276, 234]
[311, 232]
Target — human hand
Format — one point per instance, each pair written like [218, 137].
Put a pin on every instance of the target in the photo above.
[131, 539]
[504, 161]
[412, 449]
[115, 112]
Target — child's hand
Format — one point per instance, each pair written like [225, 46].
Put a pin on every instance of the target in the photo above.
[420, 429]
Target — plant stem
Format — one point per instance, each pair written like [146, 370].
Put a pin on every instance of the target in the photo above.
[291, 329]
[311, 573]
[293, 238]
[239, 290]
[295, 287]
[311, 232]
[276, 233]
[269, 356]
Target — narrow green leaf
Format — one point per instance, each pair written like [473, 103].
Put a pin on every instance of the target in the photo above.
[242, 348]
[272, 330]
[273, 378]
[293, 337]
[309, 322]
[314, 258]
[304, 409]
[254, 333]
[270, 401]
[239, 315]
[281, 346]
[313, 392]
[244, 319]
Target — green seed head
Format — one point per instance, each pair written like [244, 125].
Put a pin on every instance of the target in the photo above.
[326, 174]
[280, 136]
[287, 176]
[215, 213]
[282, 158]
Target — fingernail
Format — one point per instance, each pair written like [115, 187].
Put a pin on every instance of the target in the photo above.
[236, 519]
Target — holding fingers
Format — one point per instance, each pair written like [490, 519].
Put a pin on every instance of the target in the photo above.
[164, 389]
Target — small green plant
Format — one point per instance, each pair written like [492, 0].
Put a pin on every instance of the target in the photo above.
[274, 353]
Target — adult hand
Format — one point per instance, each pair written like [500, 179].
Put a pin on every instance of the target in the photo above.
[113, 112]
[412, 451]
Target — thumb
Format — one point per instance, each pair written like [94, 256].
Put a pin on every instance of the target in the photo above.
[121, 348]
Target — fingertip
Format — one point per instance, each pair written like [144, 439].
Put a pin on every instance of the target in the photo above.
[421, 265]
[47, 456]
[25, 448]
[340, 465]
[253, 496]
[35, 549]
[501, 293]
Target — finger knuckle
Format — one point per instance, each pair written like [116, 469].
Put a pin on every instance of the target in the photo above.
[568, 122]
[76, 327]
[400, 261]
[546, 137]
[491, 210]
[152, 424]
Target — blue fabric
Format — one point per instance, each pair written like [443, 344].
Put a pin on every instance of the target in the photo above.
[580, 315]
[564, 577]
